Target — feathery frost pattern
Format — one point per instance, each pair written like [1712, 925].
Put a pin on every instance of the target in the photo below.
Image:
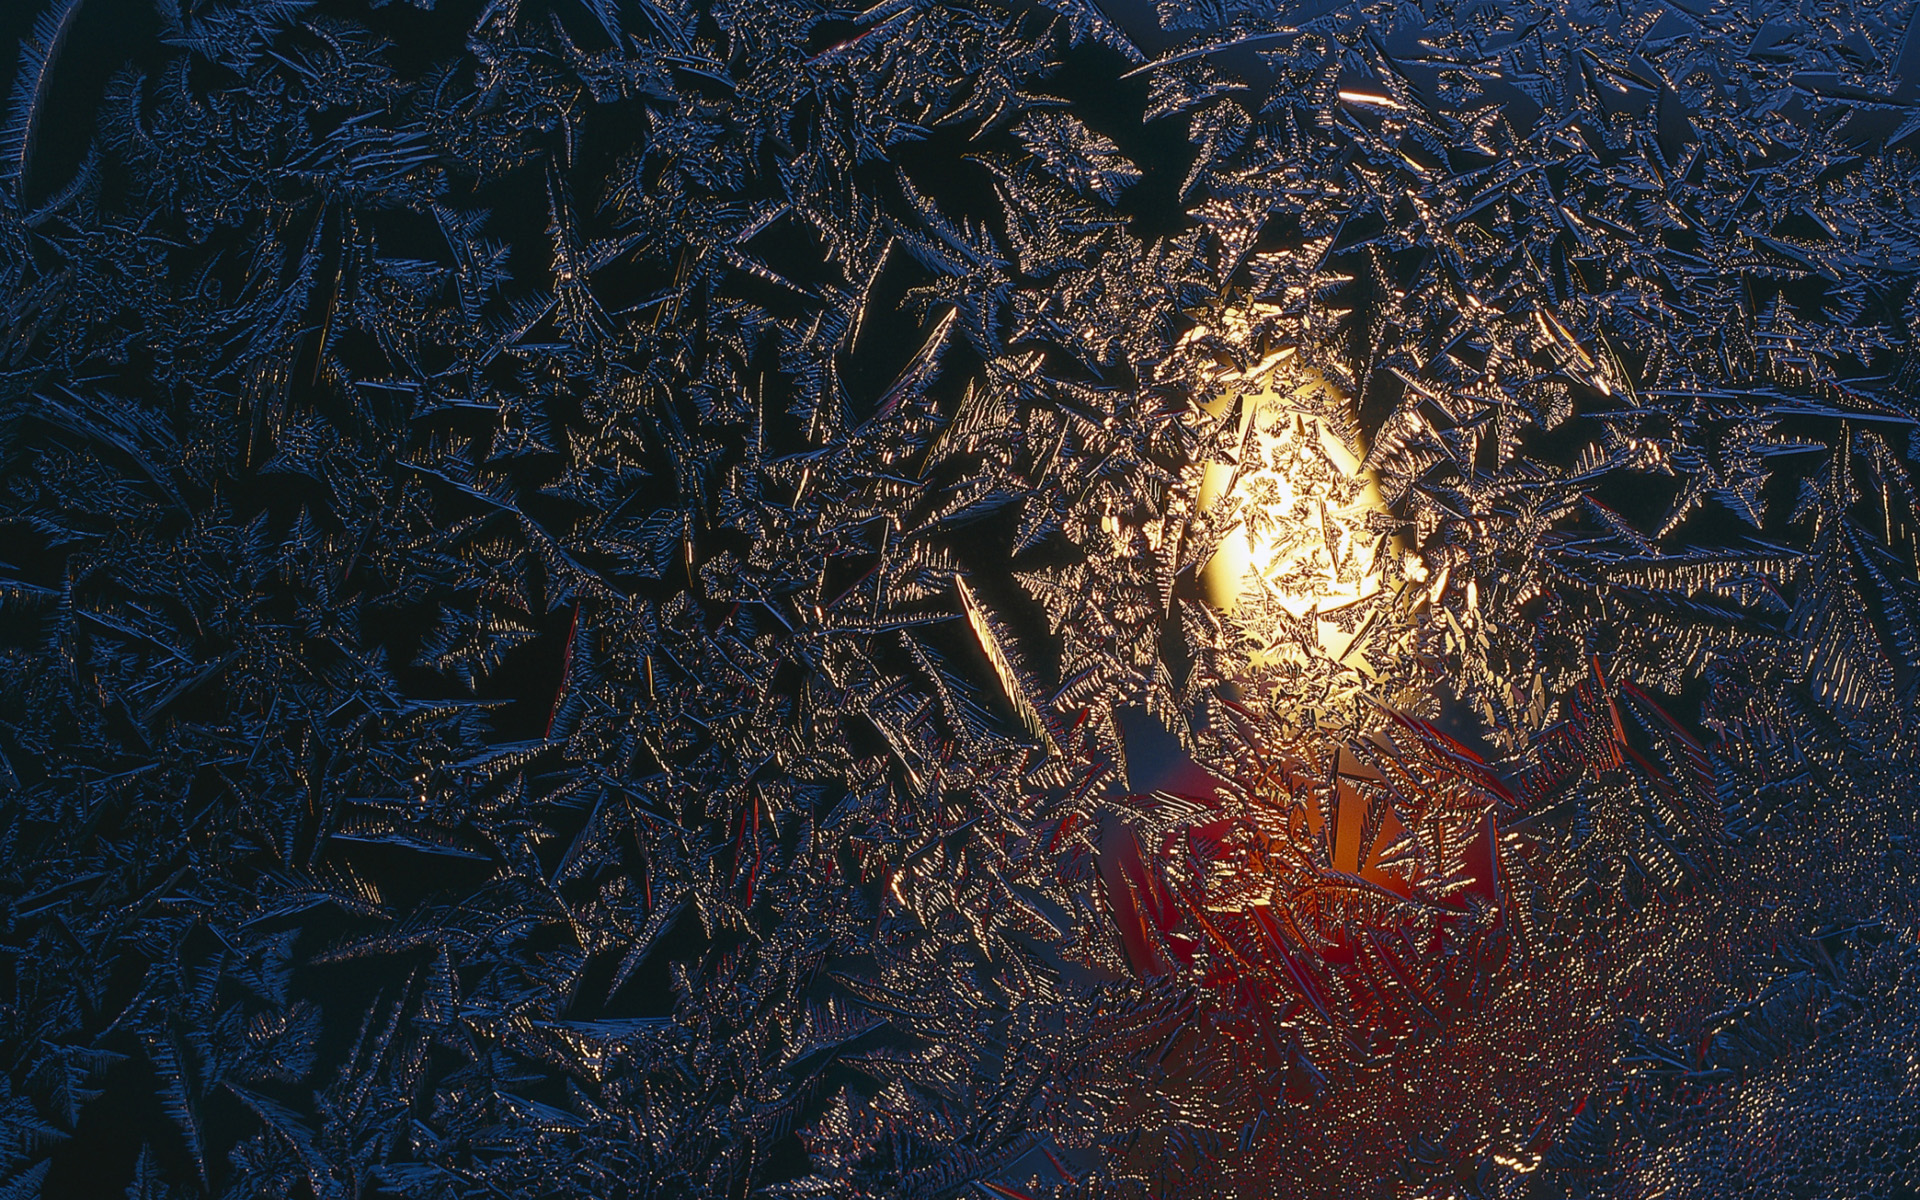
[745, 598]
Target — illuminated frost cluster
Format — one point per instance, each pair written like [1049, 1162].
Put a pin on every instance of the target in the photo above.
[1066, 598]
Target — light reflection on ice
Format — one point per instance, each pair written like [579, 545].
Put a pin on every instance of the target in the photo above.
[1309, 565]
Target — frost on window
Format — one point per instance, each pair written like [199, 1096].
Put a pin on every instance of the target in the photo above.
[1066, 599]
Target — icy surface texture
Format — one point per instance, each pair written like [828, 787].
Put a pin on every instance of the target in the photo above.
[633, 598]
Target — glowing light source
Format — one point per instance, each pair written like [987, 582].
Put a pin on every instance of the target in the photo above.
[1310, 562]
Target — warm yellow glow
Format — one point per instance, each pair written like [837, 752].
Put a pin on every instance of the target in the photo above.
[1308, 558]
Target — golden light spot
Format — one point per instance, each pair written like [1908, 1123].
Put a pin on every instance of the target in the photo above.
[1309, 564]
